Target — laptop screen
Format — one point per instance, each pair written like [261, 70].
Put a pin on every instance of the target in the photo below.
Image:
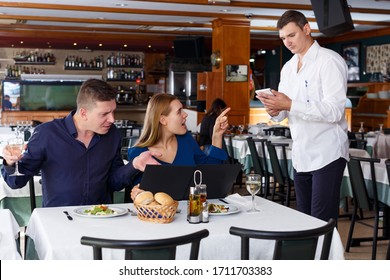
[176, 180]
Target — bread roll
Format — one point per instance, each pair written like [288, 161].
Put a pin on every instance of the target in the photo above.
[144, 198]
[154, 203]
[163, 198]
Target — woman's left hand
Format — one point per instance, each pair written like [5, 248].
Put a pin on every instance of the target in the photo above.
[221, 123]
[220, 127]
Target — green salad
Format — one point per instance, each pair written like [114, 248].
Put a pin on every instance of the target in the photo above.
[99, 210]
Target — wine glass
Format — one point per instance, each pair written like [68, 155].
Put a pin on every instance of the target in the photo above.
[381, 128]
[361, 129]
[253, 184]
[241, 128]
[15, 146]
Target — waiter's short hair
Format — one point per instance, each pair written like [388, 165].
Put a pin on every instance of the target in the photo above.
[292, 16]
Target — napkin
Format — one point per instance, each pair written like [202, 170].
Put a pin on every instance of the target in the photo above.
[239, 201]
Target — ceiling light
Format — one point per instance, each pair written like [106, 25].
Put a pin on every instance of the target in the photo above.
[74, 44]
[219, 1]
[100, 45]
[149, 46]
[21, 42]
[125, 45]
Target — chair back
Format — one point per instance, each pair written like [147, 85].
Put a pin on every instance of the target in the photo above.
[31, 186]
[228, 148]
[259, 163]
[358, 183]
[387, 162]
[290, 245]
[275, 164]
[156, 249]
[127, 142]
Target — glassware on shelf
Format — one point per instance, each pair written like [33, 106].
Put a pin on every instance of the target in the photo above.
[361, 129]
[381, 128]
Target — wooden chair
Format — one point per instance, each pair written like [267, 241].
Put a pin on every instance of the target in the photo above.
[289, 245]
[156, 249]
[362, 201]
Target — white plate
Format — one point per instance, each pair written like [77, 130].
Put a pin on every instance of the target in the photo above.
[81, 212]
[232, 210]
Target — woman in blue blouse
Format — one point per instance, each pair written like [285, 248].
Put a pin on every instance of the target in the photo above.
[165, 133]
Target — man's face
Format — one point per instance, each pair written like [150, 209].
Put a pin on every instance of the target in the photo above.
[101, 116]
[294, 38]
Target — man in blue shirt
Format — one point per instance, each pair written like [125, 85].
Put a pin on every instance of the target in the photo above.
[7, 105]
[79, 155]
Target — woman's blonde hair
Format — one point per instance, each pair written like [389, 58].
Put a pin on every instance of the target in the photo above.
[159, 105]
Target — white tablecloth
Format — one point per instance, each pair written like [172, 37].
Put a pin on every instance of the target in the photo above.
[9, 230]
[382, 181]
[56, 237]
[380, 145]
[6, 191]
[243, 155]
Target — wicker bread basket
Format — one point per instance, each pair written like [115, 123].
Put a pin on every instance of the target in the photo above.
[157, 213]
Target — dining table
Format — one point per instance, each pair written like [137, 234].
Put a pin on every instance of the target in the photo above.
[52, 236]
[382, 181]
[378, 144]
[18, 200]
[242, 153]
[9, 236]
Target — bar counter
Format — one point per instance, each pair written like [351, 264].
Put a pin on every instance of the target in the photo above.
[126, 112]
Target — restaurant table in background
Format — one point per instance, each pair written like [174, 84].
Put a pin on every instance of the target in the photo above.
[18, 200]
[242, 153]
[382, 181]
[378, 145]
[56, 237]
[9, 231]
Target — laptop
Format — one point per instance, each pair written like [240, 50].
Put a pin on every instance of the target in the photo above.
[176, 180]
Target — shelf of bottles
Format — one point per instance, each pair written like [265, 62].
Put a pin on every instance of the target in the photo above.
[73, 62]
[116, 74]
[14, 71]
[121, 60]
[41, 58]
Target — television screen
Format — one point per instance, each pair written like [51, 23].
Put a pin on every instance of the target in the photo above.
[189, 47]
[333, 16]
[42, 96]
[11, 95]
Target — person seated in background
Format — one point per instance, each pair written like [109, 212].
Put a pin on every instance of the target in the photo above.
[165, 133]
[79, 155]
[7, 104]
[207, 125]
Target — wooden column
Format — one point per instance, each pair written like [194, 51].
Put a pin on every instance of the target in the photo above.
[231, 37]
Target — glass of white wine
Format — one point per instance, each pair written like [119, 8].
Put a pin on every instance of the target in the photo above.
[253, 184]
[15, 146]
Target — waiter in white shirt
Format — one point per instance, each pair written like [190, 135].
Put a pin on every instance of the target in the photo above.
[312, 95]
